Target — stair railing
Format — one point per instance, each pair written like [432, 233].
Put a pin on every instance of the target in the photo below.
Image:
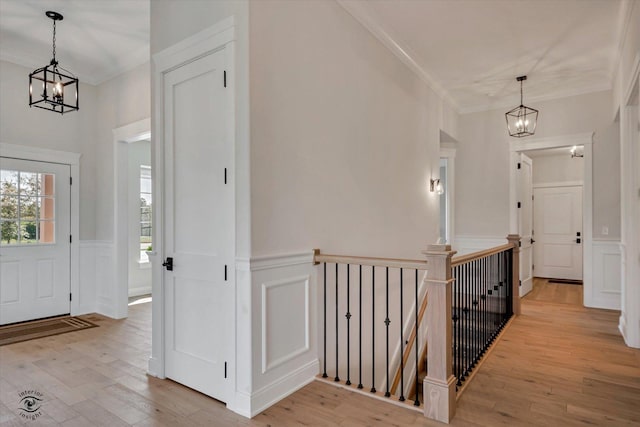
[368, 296]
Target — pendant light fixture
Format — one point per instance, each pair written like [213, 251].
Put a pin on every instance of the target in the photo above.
[52, 87]
[522, 120]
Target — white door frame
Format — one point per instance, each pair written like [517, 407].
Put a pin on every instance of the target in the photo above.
[134, 132]
[449, 153]
[185, 51]
[24, 152]
[585, 139]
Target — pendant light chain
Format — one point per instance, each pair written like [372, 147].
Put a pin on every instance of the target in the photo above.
[521, 99]
[54, 40]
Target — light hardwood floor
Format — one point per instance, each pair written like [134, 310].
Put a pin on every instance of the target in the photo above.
[558, 364]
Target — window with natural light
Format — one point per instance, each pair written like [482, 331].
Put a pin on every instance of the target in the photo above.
[27, 214]
[145, 212]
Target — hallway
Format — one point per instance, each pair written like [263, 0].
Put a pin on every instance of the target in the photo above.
[557, 364]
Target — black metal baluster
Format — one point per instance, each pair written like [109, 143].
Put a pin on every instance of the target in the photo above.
[458, 283]
[360, 327]
[373, 329]
[337, 378]
[348, 316]
[387, 322]
[417, 401]
[476, 314]
[324, 373]
[469, 267]
[401, 398]
[483, 278]
[456, 341]
[467, 316]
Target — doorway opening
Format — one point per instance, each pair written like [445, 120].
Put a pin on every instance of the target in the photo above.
[551, 194]
[557, 234]
[133, 206]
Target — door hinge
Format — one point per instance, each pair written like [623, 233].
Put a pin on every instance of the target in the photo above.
[533, 266]
[520, 283]
[225, 272]
[519, 205]
[225, 369]
[70, 238]
[519, 244]
[225, 78]
[519, 165]
[70, 297]
[225, 175]
[70, 180]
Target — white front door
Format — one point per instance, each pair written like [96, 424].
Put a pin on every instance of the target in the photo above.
[35, 249]
[525, 223]
[558, 232]
[199, 225]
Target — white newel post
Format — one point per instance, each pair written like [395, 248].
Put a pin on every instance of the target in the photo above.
[514, 239]
[439, 385]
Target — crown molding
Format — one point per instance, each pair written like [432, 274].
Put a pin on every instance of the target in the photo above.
[398, 49]
[622, 27]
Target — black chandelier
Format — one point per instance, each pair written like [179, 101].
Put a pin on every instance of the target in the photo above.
[522, 120]
[59, 88]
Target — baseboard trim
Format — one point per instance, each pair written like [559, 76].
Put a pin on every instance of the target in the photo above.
[154, 369]
[285, 386]
[136, 292]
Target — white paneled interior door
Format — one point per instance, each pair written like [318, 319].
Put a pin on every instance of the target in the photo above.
[35, 250]
[199, 225]
[525, 223]
[558, 232]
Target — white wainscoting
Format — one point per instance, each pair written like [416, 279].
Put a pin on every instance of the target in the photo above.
[97, 290]
[607, 279]
[284, 328]
[469, 244]
[87, 287]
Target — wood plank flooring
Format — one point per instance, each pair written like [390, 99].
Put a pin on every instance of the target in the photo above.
[559, 364]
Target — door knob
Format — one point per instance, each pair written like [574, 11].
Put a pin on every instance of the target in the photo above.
[168, 264]
[578, 240]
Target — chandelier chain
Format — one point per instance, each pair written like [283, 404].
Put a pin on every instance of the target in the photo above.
[54, 39]
[521, 100]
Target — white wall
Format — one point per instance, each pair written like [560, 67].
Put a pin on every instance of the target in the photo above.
[557, 168]
[34, 127]
[122, 100]
[344, 137]
[482, 181]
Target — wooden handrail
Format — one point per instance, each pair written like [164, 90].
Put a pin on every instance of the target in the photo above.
[407, 350]
[463, 259]
[377, 262]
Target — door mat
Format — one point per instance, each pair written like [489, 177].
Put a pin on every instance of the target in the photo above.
[566, 281]
[26, 331]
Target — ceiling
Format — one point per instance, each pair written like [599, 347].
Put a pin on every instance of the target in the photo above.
[469, 51]
[96, 40]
